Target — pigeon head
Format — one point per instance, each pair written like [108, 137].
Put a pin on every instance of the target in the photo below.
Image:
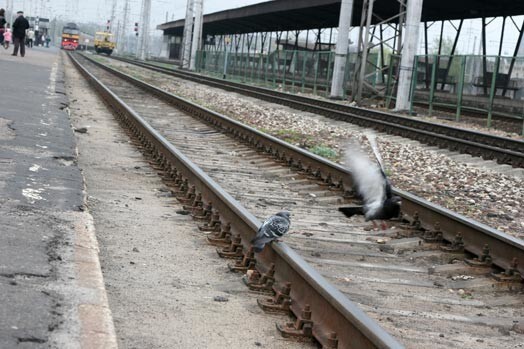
[284, 214]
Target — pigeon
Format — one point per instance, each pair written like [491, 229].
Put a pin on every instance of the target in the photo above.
[273, 228]
[372, 185]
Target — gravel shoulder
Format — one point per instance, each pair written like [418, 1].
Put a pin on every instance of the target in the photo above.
[480, 193]
[161, 276]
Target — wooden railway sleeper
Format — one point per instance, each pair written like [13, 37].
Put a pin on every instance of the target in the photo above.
[301, 329]
[260, 283]
[222, 237]
[233, 251]
[248, 262]
[279, 303]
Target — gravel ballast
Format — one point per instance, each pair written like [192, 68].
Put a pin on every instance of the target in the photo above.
[485, 195]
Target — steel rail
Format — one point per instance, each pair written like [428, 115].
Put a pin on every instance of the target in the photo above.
[334, 316]
[504, 150]
[504, 248]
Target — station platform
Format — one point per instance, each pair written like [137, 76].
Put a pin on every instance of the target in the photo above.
[51, 288]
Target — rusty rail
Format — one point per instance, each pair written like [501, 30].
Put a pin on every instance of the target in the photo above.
[504, 150]
[334, 318]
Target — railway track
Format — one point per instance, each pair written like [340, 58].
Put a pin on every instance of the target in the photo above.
[430, 282]
[503, 150]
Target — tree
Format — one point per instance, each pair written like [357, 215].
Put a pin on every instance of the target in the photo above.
[447, 47]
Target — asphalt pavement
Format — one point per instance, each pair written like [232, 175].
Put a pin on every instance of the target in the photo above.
[41, 193]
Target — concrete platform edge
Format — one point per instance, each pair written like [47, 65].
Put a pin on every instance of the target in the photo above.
[97, 329]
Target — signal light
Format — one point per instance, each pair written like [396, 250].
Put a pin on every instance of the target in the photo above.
[136, 28]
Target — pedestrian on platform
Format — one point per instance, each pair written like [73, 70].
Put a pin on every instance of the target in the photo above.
[19, 27]
[47, 41]
[7, 36]
[30, 37]
[2, 25]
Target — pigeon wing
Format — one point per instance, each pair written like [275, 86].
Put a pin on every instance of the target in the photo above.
[374, 146]
[368, 178]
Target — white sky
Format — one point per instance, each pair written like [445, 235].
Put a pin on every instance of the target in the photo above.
[99, 11]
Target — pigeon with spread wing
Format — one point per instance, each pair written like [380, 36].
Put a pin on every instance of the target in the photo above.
[372, 185]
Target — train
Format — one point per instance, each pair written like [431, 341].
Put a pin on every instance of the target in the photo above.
[70, 37]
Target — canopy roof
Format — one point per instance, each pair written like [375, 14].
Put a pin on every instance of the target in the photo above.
[283, 15]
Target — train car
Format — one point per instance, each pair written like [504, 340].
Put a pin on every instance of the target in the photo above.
[70, 37]
[87, 42]
[104, 43]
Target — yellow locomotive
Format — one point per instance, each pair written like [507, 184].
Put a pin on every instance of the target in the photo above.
[104, 43]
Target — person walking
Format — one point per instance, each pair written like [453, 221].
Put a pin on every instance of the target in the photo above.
[7, 36]
[30, 37]
[2, 25]
[19, 27]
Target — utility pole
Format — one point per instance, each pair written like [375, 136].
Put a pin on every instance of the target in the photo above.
[185, 53]
[113, 11]
[197, 32]
[413, 17]
[146, 11]
[341, 52]
[123, 36]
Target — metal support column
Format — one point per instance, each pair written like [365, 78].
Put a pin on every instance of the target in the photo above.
[413, 17]
[515, 53]
[451, 54]
[344, 23]
[365, 51]
[197, 32]
[185, 53]
[144, 43]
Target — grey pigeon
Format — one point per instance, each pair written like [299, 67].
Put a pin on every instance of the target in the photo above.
[273, 228]
[372, 184]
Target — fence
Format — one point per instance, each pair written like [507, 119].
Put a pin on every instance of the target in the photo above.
[481, 84]
[457, 83]
[289, 70]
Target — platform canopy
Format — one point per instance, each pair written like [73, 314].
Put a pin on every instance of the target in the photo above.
[284, 15]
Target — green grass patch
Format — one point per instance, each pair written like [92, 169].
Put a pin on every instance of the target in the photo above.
[324, 151]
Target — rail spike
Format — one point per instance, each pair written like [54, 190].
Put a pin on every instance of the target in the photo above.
[301, 329]
[233, 251]
[260, 283]
[280, 303]
[221, 238]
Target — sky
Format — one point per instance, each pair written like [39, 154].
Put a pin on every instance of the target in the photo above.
[99, 11]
